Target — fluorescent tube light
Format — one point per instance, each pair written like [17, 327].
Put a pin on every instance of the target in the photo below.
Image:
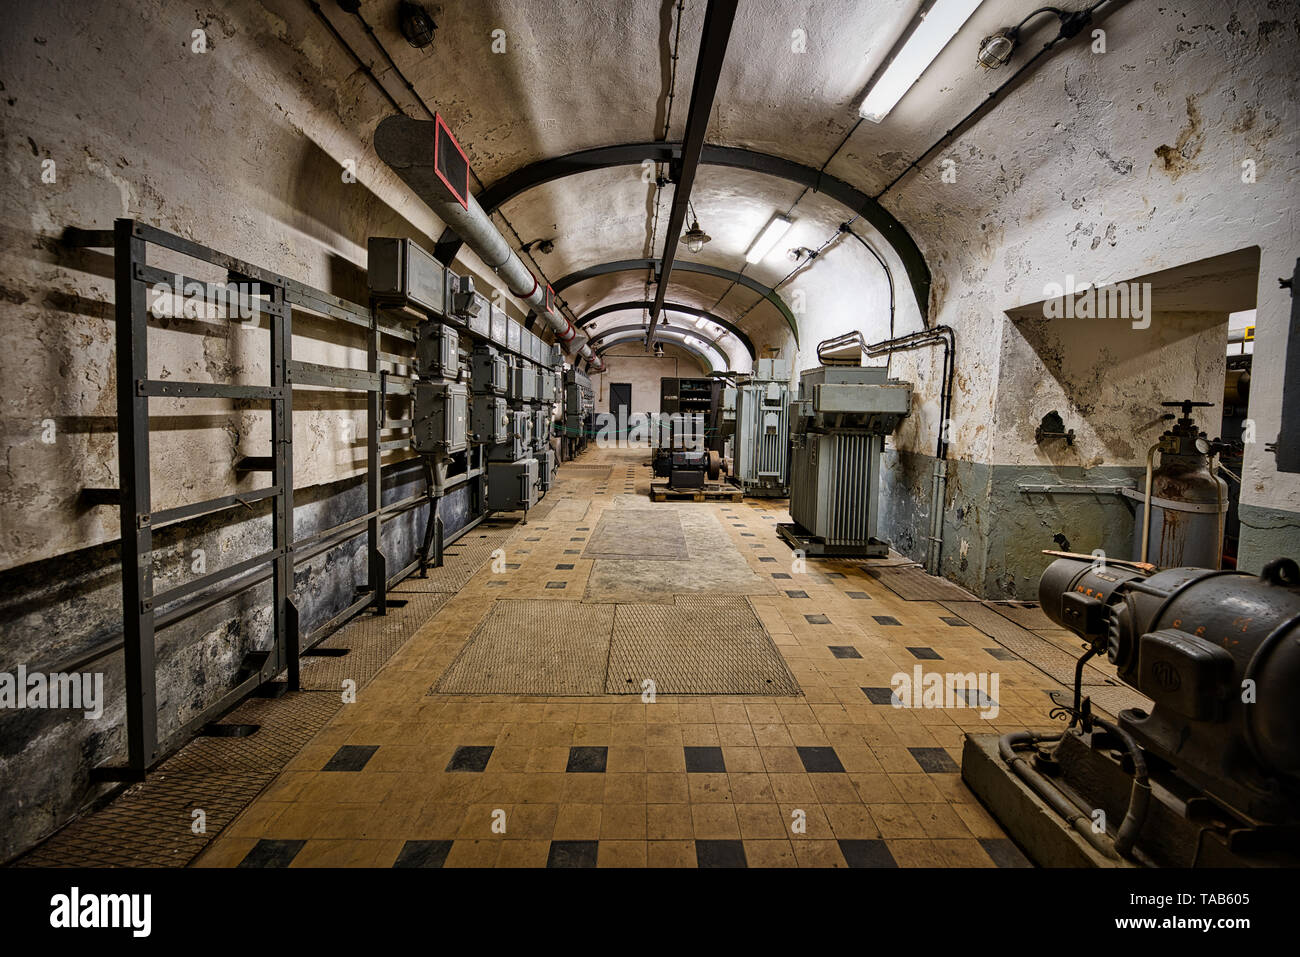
[937, 25]
[768, 238]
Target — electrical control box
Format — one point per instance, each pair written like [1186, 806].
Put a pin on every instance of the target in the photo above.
[437, 351]
[489, 371]
[514, 336]
[400, 271]
[516, 441]
[546, 386]
[526, 385]
[512, 485]
[491, 419]
[497, 331]
[441, 417]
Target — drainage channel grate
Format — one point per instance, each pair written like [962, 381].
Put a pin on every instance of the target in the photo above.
[1038, 651]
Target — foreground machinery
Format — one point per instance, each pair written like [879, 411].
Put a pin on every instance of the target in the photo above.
[837, 432]
[761, 441]
[1210, 776]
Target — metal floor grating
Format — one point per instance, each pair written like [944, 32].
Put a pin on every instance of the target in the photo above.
[1038, 651]
[371, 641]
[150, 823]
[911, 583]
[1026, 614]
[533, 647]
[698, 645]
[461, 560]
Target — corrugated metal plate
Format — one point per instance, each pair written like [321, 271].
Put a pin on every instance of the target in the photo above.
[911, 583]
[698, 645]
[533, 647]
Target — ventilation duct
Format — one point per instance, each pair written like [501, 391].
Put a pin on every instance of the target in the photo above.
[408, 146]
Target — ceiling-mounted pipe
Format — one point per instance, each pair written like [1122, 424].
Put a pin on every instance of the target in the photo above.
[407, 146]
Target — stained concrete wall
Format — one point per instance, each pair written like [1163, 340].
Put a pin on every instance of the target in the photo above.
[107, 112]
[1106, 166]
[643, 371]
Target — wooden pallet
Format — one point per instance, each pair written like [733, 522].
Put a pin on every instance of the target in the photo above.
[662, 492]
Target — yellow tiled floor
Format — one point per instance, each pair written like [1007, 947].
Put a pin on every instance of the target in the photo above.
[647, 809]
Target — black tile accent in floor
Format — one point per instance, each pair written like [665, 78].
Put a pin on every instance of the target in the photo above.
[834, 574]
[351, 757]
[859, 595]
[720, 854]
[269, 853]
[587, 760]
[470, 757]
[557, 584]
[817, 619]
[423, 854]
[926, 654]
[1003, 654]
[820, 760]
[797, 594]
[879, 695]
[767, 558]
[886, 620]
[1004, 852]
[564, 568]
[867, 854]
[704, 759]
[976, 698]
[573, 854]
[780, 575]
[955, 622]
[934, 760]
[573, 551]
[844, 651]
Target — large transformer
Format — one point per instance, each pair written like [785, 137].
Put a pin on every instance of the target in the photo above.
[1210, 776]
[837, 432]
[761, 442]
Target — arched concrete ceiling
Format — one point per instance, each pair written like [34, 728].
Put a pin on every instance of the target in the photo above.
[580, 76]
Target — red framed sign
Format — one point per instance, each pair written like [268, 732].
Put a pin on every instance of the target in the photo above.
[450, 162]
[549, 301]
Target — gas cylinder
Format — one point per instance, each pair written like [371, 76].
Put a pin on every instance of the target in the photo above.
[1188, 502]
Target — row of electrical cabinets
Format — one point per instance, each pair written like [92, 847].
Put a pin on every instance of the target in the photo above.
[405, 276]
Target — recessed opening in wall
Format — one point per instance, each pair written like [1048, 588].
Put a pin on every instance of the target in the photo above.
[1107, 364]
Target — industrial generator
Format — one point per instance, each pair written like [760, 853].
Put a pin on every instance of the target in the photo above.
[1210, 775]
[761, 441]
[837, 432]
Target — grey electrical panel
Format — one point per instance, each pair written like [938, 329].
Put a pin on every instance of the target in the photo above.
[517, 439]
[513, 336]
[491, 419]
[400, 271]
[546, 386]
[441, 417]
[557, 356]
[526, 381]
[512, 485]
[500, 321]
[489, 371]
[546, 468]
[541, 429]
[437, 350]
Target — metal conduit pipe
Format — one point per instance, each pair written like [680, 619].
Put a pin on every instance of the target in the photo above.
[933, 336]
[407, 146]
[1048, 791]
